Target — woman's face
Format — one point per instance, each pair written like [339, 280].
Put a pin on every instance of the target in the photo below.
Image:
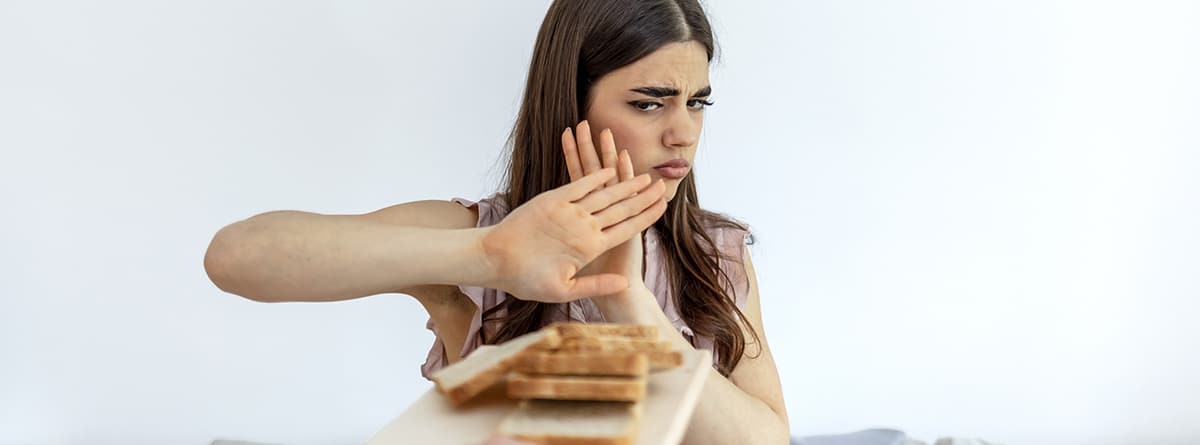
[655, 109]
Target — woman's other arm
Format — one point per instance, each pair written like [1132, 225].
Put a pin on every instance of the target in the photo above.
[746, 407]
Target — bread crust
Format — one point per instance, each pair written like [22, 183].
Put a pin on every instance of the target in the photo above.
[572, 329]
[570, 387]
[582, 412]
[614, 363]
[495, 364]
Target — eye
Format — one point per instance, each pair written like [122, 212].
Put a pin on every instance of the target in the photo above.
[646, 106]
[699, 104]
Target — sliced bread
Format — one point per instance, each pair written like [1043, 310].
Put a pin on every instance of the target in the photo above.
[575, 330]
[660, 360]
[611, 363]
[483, 368]
[559, 422]
[571, 387]
[612, 343]
[660, 353]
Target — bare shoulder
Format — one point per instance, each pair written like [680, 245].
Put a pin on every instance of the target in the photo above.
[432, 214]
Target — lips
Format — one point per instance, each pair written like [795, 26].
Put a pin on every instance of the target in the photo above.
[673, 169]
[675, 163]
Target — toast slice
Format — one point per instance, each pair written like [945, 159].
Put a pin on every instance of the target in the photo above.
[475, 373]
[602, 363]
[570, 329]
[660, 360]
[570, 387]
[612, 343]
[559, 422]
[661, 354]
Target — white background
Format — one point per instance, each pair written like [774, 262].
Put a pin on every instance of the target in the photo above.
[974, 218]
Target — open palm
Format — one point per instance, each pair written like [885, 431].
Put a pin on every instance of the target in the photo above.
[583, 159]
[539, 251]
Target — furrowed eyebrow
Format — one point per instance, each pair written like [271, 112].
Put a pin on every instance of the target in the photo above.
[657, 91]
[668, 91]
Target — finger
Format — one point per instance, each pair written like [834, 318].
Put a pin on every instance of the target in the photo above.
[608, 154]
[579, 189]
[624, 230]
[587, 151]
[624, 166]
[632, 206]
[600, 199]
[571, 153]
[595, 285]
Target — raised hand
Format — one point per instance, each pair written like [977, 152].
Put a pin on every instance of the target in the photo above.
[539, 250]
[584, 158]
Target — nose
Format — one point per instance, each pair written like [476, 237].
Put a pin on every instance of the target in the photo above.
[683, 129]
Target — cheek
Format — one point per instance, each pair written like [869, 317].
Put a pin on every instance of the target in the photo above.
[641, 143]
[630, 132]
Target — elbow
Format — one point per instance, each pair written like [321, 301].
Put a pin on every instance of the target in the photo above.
[774, 434]
[783, 431]
[783, 436]
[224, 259]
[776, 430]
[769, 433]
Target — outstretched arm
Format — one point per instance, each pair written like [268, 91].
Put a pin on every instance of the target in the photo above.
[534, 253]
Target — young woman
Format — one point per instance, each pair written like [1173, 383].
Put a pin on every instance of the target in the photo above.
[605, 222]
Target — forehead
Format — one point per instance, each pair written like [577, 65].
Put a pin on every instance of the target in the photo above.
[681, 65]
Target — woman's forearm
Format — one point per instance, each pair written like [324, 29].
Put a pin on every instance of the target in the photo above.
[301, 256]
[725, 414]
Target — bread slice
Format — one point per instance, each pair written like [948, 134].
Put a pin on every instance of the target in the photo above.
[470, 376]
[660, 360]
[559, 422]
[612, 343]
[571, 387]
[660, 353]
[575, 330]
[614, 363]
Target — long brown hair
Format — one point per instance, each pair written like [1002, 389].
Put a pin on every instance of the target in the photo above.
[579, 42]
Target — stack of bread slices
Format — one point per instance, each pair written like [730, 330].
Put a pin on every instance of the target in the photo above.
[578, 383]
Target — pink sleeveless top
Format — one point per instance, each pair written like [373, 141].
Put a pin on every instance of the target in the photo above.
[491, 210]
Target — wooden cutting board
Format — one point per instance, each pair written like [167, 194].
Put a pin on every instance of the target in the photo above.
[671, 397]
